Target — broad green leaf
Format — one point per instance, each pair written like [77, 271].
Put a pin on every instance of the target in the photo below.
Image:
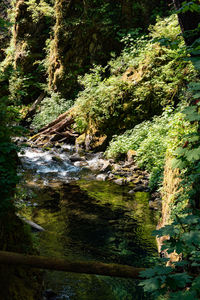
[193, 154]
[150, 285]
[192, 237]
[180, 151]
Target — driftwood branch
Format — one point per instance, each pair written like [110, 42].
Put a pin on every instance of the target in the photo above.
[86, 267]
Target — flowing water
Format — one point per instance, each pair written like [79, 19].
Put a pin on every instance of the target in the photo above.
[86, 219]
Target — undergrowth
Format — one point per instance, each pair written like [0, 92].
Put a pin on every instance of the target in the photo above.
[136, 85]
[51, 107]
[150, 140]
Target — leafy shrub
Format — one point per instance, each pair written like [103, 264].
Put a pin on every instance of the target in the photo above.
[50, 108]
[102, 102]
[150, 140]
[154, 76]
[19, 86]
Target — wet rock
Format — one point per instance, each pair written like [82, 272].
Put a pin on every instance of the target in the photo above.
[129, 179]
[97, 164]
[80, 164]
[76, 157]
[102, 177]
[106, 166]
[111, 176]
[141, 188]
[120, 181]
[128, 164]
[111, 161]
[80, 142]
[137, 180]
[145, 183]
[116, 167]
[131, 192]
[57, 145]
[57, 158]
[134, 168]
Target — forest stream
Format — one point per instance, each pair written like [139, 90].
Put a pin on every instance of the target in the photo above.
[85, 219]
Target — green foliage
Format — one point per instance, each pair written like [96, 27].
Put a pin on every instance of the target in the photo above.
[184, 229]
[154, 77]
[20, 84]
[192, 6]
[39, 9]
[102, 101]
[4, 24]
[151, 139]
[51, 107]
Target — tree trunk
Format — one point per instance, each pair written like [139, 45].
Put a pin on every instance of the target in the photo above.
[188, 21]
[86, 267]
[31, 112]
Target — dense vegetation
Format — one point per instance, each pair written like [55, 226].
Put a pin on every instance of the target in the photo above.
[140, 91]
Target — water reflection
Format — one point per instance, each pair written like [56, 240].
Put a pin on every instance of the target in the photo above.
[93, 221]
[87, 220]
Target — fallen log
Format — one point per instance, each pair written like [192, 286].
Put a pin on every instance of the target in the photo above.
[57, 130]
[86, 267]
[57, 120]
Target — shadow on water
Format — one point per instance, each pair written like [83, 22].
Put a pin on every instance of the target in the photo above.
[87, 220]
[91, 220]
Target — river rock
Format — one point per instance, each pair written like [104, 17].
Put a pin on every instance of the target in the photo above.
[134, 168]
[57, 158]
[106, 166]
[111, 176]
[80, 164]
[76, 157]
[120, 181]
[128, 164]
[116, 167]
[102, 177]
[131, 192]
[140, 188]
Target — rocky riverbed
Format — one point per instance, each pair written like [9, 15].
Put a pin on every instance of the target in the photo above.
[63, 160]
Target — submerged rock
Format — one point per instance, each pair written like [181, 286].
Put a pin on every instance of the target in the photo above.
[50, 295]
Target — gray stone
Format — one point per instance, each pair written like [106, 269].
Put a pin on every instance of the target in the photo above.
[76, 157]
[140, 188]
[131, 192]
[120, 181]
[80, 163]
[102, 177]
[106, 167]
[111, 176]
